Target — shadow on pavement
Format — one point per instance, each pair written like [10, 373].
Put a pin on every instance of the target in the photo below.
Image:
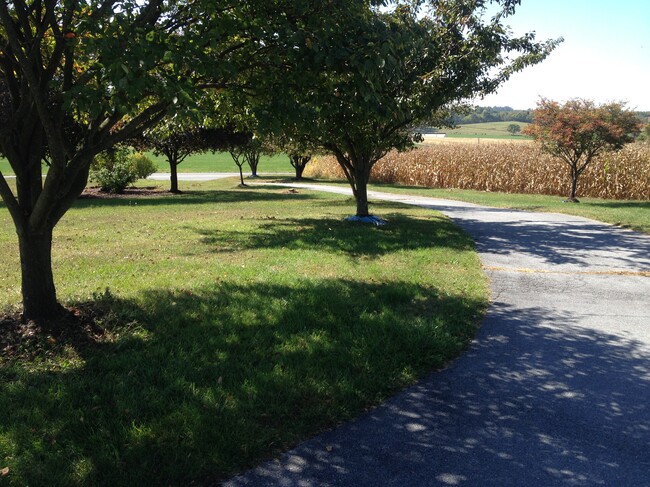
[570, 240]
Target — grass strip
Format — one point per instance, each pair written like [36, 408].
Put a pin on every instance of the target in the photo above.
[217, 162]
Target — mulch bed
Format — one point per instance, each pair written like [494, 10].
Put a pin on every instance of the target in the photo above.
[96, 193]
[20, 340]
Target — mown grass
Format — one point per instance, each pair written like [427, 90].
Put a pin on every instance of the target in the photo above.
[222, 162]
[238, 322]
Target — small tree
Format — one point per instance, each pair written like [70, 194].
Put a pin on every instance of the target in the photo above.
[514, 128]
[252, 152]
[645, 134]
[175, 143]
[246, 152]
[238, 157]
[299, 149]
[177, 138]
[299, 162]
[579, 130]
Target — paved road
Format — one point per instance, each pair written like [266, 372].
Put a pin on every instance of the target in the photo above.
[204, 176]
[555, 389]
[193, 176]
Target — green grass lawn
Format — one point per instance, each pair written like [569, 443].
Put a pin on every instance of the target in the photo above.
[222, 162]
[236, 322]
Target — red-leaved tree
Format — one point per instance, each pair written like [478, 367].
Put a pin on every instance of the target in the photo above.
[579, 130]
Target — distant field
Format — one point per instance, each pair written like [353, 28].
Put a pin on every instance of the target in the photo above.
[476, 140]
[488, 130]
[509, 167]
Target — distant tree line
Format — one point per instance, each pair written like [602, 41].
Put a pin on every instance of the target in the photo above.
[508, 114]
[493, 114]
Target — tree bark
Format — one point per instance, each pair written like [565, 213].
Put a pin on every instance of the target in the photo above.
[173, 168]
[253, 161]
[241, 175]
[574, 184]
[299, 163]
[357, 172]
[39, 293]
[362, 196]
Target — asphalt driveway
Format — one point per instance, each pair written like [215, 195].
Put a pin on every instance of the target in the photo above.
[555, 389]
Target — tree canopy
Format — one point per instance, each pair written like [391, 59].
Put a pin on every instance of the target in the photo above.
[360, 86]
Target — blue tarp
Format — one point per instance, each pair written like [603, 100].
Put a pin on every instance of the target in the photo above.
[375, 220]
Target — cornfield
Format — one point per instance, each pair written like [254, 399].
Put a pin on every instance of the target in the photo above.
[507, 167]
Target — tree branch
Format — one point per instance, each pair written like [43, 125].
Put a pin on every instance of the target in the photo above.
[12, 203]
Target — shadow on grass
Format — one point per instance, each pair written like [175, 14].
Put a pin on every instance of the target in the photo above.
[335, 234]
[195, 386]
[642, 205]
[193, 198]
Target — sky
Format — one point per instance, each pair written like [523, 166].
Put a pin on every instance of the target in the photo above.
[605, 55]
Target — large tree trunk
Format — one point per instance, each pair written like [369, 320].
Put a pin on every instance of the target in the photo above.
[362, 197]
[39, 293]
[173, 168]
[299, 170]
[253, 160]
[357, 172]
[574, 184]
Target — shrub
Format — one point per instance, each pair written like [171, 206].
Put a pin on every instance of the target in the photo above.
[113, 170]
[143, 166]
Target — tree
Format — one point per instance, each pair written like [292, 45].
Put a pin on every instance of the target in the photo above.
[645, 134]
[247, 152]
[299, 149]
[237, 154]
[252, 151]
[172, 141]
[514, 128]
[299, 162]
[360, 86]
[579, 130]
[78, 77]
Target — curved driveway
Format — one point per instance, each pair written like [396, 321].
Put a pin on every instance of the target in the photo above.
[555, 389]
